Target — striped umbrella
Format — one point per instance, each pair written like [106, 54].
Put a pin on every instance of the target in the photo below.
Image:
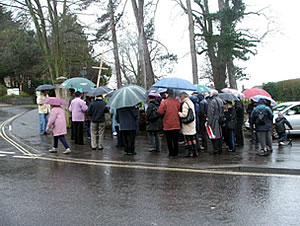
[127, 96]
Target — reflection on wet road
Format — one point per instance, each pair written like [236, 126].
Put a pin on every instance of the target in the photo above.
[38, 192]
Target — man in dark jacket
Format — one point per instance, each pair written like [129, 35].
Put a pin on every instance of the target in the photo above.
[240, 114]
[215, 112]
[249, 110]
[96, 111]
[202, 120]
[127, 117]
[280, 125]
[230, 124]
[154, 124]
[262, 117]
[195, 101]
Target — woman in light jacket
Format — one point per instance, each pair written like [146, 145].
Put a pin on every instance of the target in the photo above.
[188, 130]
[57, 121]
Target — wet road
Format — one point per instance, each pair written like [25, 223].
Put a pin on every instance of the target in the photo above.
[40, 192]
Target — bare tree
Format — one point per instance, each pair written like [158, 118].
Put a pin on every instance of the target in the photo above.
[144, 54]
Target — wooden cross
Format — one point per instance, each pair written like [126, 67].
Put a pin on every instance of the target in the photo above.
[100, 69]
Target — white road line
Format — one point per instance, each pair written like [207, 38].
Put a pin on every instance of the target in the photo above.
[7, 152]
[2, 155]
[23, 157]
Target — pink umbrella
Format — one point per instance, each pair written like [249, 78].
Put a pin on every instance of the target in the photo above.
[54, 101]
[254, 92]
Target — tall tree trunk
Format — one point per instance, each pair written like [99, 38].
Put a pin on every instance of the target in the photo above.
[231, 75]
[192, 42]
[115, 44]
[144, 54]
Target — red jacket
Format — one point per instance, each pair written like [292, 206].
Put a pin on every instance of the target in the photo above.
[169, 110]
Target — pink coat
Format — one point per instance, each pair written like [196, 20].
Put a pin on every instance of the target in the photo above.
[78, 108]
[57, 120]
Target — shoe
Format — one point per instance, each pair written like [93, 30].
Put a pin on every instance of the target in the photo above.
[115, 134]
[88, 138]
[172, 157]
[101, 148]
[229, 150]
[67, 151]
[45, 133]
[41, 134]
[281, 143]
[152, 150]
[130, 153]
[94, 148]
[202, 148]
[263, 153]
[53, 150]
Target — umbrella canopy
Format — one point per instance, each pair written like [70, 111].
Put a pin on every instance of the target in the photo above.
[202, 88]
[54, 101]
[77, 83]
[98, 91]
[174, 83]
[127, 96]
[258, 97]
[255, 91]
[234, 92]
[228, 97]
[45, 87]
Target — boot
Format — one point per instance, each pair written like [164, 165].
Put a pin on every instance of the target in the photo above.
[195, 152]
[190, 151]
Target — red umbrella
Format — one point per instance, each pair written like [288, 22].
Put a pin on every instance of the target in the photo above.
[255, 91]
[54, 101]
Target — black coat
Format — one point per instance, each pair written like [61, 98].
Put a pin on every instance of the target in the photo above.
[240, 112]
[97, 110]
[280, 123]
[156, 123]
[127, 117]
[231, 118]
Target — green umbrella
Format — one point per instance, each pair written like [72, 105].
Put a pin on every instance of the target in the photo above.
[127, 96]
[202, 88]
[77, 83]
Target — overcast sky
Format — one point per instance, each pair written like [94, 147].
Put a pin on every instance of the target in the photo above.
[277, 57]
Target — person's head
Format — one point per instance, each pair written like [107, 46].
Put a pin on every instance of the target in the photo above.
[170, 93]
[200, 96]
[183, 95]
[206, 94]
[213, 92]
[77, 94]
[100, 97]
[72, 91]
[45, 92]
[151, 97]
[229, 104]
[195, 94]
[261, 102]
[164, 95]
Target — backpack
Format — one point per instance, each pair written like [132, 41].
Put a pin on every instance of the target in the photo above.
[261, 118]
[153, 116]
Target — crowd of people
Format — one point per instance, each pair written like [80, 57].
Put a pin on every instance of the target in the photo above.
[179, 118]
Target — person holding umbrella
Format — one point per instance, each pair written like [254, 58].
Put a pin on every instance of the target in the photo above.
[57, 122]
[78, 108]
[44, 110]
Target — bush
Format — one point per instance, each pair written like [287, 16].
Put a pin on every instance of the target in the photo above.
[3, 90]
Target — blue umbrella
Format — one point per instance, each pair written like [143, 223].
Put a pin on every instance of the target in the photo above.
[175, 83]
[77, 83]
[258, 97]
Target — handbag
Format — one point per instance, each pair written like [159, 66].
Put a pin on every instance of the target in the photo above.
[190, 116]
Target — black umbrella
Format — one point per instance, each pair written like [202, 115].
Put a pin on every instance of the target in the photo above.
[228, 97]
[98, 91]
[45, 87]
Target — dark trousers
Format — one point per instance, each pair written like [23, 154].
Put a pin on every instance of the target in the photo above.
[217, 145]
[128, 139]
[71, 129]
[282, 137]
[119, 137]
[62, 140]
[239, 134]
[203, 134]
[88, 128]
[230, 139]
[172, 141]
[78, 132]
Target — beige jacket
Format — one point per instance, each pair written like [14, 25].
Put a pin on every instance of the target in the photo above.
[43, 108]
[188, 129]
